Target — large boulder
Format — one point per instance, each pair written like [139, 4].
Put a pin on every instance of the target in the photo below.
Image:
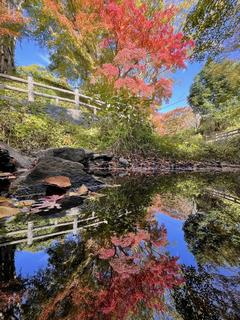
[79, 155]
[47, 167]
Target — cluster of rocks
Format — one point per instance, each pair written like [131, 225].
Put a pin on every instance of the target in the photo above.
[83, 167]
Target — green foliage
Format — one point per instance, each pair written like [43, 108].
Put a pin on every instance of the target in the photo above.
[225, 120]
[45, 28]
[214, 25]
[216, 87]
[28, 128]
[190, 146]
[213, 236]
[126, 129]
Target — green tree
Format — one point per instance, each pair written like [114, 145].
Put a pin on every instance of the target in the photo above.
[215, 87]
[214, 25]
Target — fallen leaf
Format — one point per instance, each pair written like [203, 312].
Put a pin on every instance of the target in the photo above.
[83, 190]
[8, 212]
[73, 194]
[59, 181]
[96, 195]
[5, 202]
[5, 174]
[25, 203]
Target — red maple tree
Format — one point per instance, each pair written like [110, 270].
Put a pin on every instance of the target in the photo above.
[134, 49]
[144, 48]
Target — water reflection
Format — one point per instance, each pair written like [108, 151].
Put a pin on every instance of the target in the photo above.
[154, 248]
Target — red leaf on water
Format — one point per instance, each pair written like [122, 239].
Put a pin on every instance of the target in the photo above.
[106, 253]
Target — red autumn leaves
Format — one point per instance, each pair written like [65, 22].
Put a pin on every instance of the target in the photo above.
[138, 274]
[133, 49]
[132, 273]
[144, 47]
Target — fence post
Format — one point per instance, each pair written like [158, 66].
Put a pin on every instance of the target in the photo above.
[30, 89]
[75, 225]
[95, 111]
[77, 97]
[30, 233]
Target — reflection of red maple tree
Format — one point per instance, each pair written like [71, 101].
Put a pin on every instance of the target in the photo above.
[130, 272]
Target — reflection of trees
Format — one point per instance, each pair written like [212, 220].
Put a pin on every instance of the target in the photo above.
[176, 206]
[10, 285]
[208, 296]
[128, 276]
[64, 259]
[213, 234]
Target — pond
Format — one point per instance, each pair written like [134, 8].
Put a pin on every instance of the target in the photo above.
[163, 247]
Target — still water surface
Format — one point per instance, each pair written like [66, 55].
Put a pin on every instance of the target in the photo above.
[147, 248]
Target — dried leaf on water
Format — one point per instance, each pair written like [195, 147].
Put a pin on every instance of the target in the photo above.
[8, 212]
[6, 202]
[83, 190]
[25, 203]
[59, 181]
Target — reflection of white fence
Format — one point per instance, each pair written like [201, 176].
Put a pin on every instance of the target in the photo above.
[31, 93]
[223, 195]
[28, 233]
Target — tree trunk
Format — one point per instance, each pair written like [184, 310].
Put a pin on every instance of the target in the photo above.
[7, 48]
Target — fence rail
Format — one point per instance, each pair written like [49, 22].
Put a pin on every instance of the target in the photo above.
[223, 135]
[27, 235]
[31, 84]
[223, 195]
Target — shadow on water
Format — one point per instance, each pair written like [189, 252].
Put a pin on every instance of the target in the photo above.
[152, 248]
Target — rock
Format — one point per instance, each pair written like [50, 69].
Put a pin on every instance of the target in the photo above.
[103, 157]
[7, 164]
[124, 162]
[20, 161]
[72, 154]
[52, 167]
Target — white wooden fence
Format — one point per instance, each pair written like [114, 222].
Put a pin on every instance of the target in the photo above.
[94, 104]
[27, 235]
[223, 135]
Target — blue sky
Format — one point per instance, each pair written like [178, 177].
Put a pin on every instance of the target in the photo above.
[28, 52]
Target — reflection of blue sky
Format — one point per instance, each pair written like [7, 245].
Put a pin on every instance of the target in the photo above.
[177, 245]
[29, 263]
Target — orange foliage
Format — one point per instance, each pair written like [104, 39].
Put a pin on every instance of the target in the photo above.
[174, 121]
[11, 21]
[83, 21]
